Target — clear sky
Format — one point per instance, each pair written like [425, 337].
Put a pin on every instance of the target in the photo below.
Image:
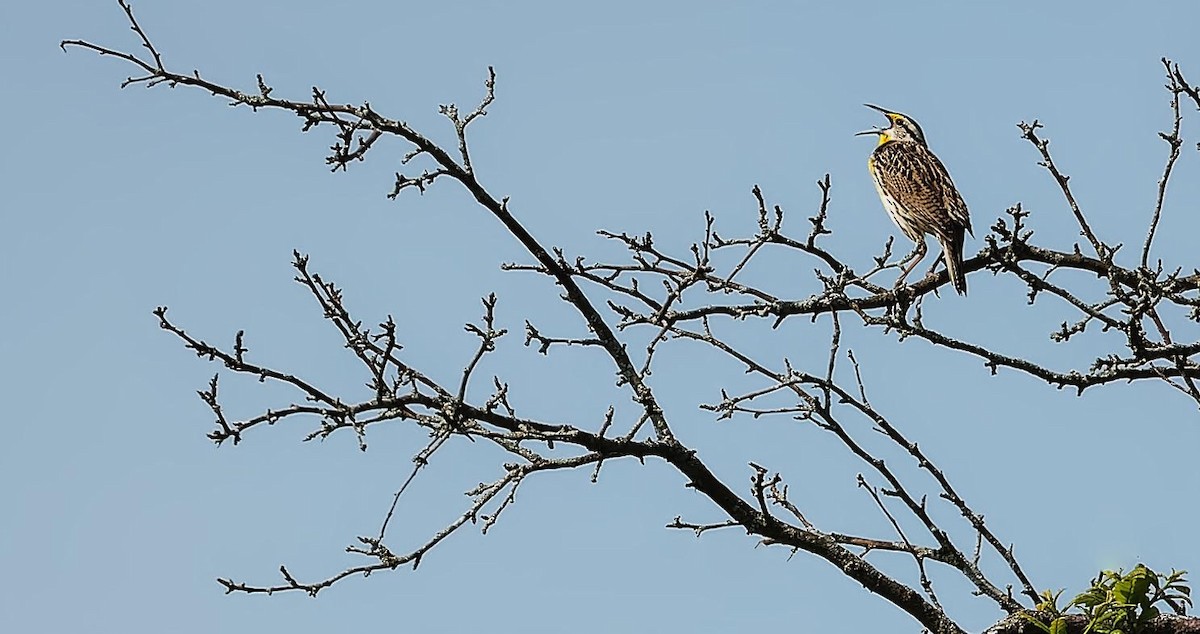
[118, 514]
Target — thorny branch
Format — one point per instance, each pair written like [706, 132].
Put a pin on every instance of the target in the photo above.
[1175, 86]
[691, 296]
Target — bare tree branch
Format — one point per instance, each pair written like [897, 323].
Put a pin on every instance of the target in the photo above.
[1173, 140]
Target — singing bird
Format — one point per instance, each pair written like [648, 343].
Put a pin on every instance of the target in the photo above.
[918, 194]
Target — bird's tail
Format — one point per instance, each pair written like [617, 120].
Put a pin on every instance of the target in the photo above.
[952, 253]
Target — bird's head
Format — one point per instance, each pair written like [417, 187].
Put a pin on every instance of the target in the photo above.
[902, 128]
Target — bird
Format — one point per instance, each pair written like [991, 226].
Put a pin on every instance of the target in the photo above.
[918, 194]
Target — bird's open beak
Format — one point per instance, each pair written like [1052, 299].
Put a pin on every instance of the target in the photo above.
[885, 111]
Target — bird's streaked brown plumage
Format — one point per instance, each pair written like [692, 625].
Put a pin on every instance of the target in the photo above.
[918, 194]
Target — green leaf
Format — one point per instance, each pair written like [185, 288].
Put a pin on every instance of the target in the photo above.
[1090, 597]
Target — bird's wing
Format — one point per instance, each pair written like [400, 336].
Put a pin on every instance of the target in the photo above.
[953, 201]
[922, 187]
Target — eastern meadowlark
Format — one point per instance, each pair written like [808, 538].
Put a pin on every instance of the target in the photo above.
[918, 194]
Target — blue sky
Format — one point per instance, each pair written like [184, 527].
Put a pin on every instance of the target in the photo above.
[120, 514]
